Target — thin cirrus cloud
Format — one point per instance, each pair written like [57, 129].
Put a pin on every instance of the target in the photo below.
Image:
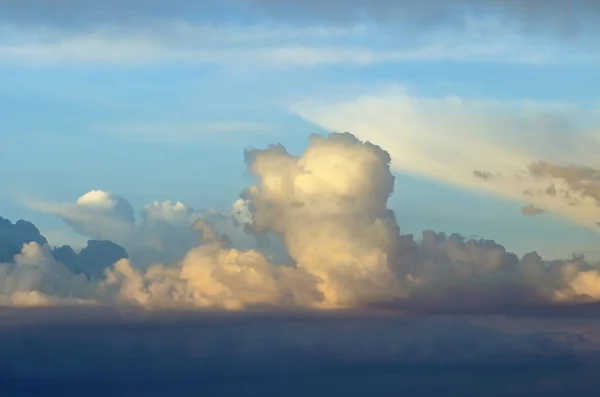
[139, 48]
[183, 133]
[521, 150]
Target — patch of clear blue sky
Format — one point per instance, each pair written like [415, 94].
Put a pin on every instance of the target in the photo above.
[53, 150]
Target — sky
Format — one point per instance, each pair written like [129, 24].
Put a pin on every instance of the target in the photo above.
[488, 109]
[159, 102]
[268, 194]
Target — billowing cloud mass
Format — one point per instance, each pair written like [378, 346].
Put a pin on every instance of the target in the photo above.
[330, 208]
[312, 231]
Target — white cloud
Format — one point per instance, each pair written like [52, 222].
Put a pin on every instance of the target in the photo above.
[36, 279]
[163, 235]
[328, 210]
[475, 144]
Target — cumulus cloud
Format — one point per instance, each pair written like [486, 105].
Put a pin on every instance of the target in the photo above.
[330, 207]
[164, 233]
[36, 279]
[452, 273]
[23, 240]
[313, 230]
[98, 214]
[521, 150]
[13, 236]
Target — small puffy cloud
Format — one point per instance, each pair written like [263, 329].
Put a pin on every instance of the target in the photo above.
[483, 174]
[241, 212]
[99, 215]
[531, 210]
[174, 213]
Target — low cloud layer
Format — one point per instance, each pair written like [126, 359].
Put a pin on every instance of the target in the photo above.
[313, 231]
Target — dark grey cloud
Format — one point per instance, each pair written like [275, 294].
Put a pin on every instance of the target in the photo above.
[485, 175]
[96, 256]
[13, 236]
[101, 351]
[570, 173]
[83, 13]
[459, 275]
[565, 19]
[581, 180]
[91, 260]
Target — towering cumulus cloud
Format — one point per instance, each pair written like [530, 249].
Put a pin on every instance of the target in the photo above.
[330, 207]
[312, 231]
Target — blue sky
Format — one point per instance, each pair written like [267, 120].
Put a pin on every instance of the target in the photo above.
[160, 102]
